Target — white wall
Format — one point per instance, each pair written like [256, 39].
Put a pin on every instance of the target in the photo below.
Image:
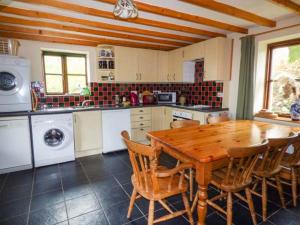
[260, 58]
[32, 51]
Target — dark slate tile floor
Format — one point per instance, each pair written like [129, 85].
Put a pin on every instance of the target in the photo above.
[95, 191]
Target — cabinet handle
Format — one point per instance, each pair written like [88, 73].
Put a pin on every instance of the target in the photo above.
[141, 110]
[174, 76]
[141, 117]
[141, 129]
[168, 77]
[137, 76]
[141, 124]
[140, 76]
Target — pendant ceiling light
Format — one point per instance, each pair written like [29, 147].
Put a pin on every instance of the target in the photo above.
[125, 9]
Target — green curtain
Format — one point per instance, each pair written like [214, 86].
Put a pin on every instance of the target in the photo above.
[246, 80]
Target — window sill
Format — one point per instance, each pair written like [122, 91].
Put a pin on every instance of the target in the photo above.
[279, 120]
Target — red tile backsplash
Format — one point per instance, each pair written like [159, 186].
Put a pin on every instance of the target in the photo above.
[200, 92]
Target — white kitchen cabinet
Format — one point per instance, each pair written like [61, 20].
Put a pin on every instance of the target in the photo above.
[147, 65]
[88, 133]
[158, 117]
[175, 65]
[167, 117]
[141, 123]
[217, 59]
[126, 68]
[194, 51]
[163, 67]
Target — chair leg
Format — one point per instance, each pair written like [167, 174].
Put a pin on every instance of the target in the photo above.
[251, 206]
[151, 213]
[280, 191]
[229, 208]
[187, 208]
[191, 179]
[132, 200]
[195, 202]
[264, 198]
[294, 186]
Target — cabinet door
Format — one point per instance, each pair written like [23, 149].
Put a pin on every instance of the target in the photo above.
[126, 60]
[193, 52]
[158, 117]
[147, 65]
[88, 133]
[167, 117]
[176, 65]
[210, 59]
[217, 60]
[200, 116]
[163, 66]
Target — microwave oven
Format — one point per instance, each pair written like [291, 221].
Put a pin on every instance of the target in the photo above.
[166, 97]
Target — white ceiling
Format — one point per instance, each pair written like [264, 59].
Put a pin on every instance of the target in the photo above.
[263, 8]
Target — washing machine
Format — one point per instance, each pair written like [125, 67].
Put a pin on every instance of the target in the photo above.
[14, 84]
[53, 140]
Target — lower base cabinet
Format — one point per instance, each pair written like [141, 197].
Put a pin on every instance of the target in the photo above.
[88, 133]
[141, 123]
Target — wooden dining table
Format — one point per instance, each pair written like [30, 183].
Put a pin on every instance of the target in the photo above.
[206, 146]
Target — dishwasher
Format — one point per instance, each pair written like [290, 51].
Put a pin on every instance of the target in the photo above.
[113, 123]
[15, 148]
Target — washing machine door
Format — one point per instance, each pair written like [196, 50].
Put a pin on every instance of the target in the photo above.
[10, 82]
[54, 137]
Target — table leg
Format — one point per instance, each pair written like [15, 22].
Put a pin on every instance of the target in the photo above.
[203, 177]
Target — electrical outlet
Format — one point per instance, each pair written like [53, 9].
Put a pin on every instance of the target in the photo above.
[220, 95]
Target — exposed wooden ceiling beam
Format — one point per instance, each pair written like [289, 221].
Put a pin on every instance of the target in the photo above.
[49, 33]
[288, 4]
[183, 16]
[19, 21]
[110, 15]
[60, 18]
[233, 11]
[9, 34]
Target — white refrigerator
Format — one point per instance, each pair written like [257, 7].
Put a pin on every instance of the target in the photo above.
[113, 123]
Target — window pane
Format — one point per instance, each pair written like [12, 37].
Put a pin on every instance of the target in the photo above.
[52, 64]
[75, 83]
[285, 73]
[54, 84]
[76, 65]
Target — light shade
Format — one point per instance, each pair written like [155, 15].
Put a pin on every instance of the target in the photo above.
[125, 9]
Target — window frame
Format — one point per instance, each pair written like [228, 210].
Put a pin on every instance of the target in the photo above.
[268, 80]
[65, 74]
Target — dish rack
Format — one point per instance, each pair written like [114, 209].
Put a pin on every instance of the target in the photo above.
[9, 46]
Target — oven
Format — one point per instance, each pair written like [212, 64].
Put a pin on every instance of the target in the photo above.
[166, 97]
[181, 115]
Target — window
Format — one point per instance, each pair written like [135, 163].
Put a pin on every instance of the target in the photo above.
[65, 73]
[283, 76]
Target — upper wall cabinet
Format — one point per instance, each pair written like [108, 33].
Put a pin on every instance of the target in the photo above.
[217, 59]
[163, 67]
[193, 52]
[126, 64]
[176, 65]
[147, 65]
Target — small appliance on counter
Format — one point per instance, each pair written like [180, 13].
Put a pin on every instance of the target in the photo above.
[134, 99]
[166, 97]
[148, 98]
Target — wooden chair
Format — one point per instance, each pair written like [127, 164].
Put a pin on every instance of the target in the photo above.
[180, 124]
[236, 177]
[155, 183]
[291, 163]
[268, 169]
[217, 119]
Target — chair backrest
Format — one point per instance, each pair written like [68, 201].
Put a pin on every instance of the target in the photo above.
[242, 163]
[217, 119]
[143, 160]
[294, 158]
[277, 148]
[184, 123]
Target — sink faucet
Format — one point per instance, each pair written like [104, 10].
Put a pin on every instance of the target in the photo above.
[84, 102]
